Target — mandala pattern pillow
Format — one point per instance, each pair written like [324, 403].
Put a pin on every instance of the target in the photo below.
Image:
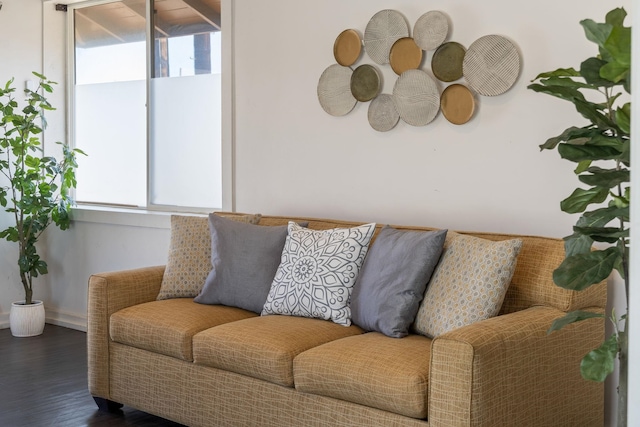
[189, 260]
[317, 272]
[468, 284]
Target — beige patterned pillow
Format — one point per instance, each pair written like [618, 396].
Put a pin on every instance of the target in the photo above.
[468, 284]
[189, 260]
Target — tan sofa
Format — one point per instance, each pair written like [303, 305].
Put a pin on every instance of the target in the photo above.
[207, 365]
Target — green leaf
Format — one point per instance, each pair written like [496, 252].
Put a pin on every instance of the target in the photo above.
[562, 92]
[41, 267]
[603, 216]
[616, 17]
[599, 363]
[580, 271]
[590, 70]
[596, 32]
[579, 200]
[606, 178]
[603, 234]
[601, 140]
[568, 134]
[24, 263]
[566, 82]
[572, 317]
[618, 44]
[582, 167]
[621, 202]
[560, 72]
[620, 264]
[623, 118]
[577, 244]
[581, 153]
[615, 72]
[592, 112]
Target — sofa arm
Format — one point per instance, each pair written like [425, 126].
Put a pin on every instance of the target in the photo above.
[108, 293]
[507, 371]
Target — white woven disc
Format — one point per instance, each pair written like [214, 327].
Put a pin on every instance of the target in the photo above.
[334, 90]
[383, 29]
[382, 113]
[491, 65]
[431, 30]
[416, 97]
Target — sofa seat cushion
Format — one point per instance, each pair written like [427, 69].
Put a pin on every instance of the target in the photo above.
[371, 369]
[264, 347]
[167, 326]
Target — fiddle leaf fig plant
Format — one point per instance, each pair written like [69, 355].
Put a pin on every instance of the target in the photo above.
[36, 189]
[601, 151]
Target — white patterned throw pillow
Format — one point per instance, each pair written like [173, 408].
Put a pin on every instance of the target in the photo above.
[468, 285]
[317, 272]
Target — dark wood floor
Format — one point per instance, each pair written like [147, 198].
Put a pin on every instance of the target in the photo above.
[43, 382]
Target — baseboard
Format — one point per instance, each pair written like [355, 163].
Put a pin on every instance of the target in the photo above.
[54, 317]
[4, 320]
[68, 320]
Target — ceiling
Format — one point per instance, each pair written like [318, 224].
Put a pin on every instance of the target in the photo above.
[124, 21]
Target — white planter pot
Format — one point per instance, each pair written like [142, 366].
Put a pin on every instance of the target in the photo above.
[26, 320]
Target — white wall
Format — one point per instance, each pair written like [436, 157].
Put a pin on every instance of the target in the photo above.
[294, 159]
[20, 53]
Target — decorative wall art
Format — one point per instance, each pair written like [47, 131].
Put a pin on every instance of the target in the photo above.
[489, 67]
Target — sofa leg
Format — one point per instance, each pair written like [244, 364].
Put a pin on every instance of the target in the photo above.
[106, 405]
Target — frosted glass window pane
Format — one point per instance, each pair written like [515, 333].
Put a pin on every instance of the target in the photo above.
[110, 125]
[110, 121]
[186, 134]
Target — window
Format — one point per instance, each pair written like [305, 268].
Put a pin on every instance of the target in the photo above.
[147, 103]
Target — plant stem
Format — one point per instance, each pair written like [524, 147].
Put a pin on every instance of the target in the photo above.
[623, 377]
[28, 294]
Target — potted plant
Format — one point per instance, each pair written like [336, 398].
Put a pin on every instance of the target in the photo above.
[601, 150]
[35, 192]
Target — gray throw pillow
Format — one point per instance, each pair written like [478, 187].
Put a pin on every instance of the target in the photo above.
[244, 259]
[393, 279]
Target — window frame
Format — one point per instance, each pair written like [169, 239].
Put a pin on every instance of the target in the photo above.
[113, 213]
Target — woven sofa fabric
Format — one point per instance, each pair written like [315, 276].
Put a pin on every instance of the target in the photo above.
[372, 369]
[532, 282]
[490, 374]
[168, 326]
[189, 258]
[264, 347]
[183, 392]
[108, 293]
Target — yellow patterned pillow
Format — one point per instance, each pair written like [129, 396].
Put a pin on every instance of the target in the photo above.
[189, 260]
[468, 284]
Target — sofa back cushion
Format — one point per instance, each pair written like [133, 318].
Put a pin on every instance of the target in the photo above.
[532, 281]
